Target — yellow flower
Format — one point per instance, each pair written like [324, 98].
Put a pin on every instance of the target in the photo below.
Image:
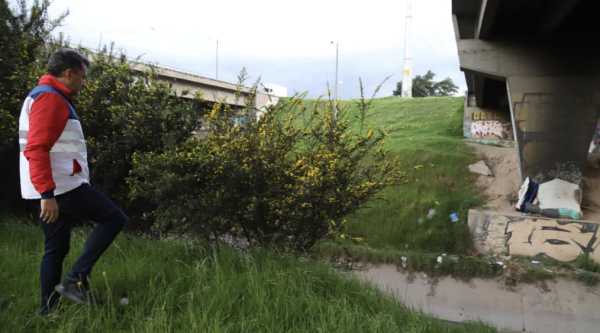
[103, 273]
[417, 167]
[79, 283]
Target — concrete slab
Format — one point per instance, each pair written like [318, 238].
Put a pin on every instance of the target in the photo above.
[560, 239]
[480, 168]
[567, 307]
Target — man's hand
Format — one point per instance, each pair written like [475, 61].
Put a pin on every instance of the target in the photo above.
[49, 212]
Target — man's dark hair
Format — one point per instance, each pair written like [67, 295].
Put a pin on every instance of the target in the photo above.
[64, 59]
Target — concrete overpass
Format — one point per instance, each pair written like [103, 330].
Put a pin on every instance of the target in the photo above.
[212, 90]
[534, 65]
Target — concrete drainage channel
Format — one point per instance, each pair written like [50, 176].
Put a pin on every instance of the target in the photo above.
[567, 307]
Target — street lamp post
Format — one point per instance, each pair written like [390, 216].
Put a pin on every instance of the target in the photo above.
[217, 66]
[336, 80]
[217, 58]
[407, 75]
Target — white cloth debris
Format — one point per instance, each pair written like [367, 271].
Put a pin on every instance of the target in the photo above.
[559, 193]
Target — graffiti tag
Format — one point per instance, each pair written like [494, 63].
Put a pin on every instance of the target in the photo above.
[560, 240]
[486, 129]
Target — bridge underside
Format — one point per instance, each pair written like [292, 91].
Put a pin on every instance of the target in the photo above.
[536, 65]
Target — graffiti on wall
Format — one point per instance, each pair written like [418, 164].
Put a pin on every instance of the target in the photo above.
[564, 170]
[486, 130]
[557, 239]
[486, 115]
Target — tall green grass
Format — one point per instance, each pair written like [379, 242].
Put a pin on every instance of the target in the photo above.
[184, 286]
[427, 135]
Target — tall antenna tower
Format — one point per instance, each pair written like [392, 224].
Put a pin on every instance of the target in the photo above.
[407, 76]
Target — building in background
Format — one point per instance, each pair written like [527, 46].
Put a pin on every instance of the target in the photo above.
[276, 90]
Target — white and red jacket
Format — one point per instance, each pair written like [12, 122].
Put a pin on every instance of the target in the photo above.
[53, 152]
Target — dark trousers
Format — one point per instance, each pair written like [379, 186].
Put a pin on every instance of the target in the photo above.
[87, 203]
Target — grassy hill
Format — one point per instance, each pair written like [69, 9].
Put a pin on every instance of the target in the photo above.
[427, 135]
[184, 286]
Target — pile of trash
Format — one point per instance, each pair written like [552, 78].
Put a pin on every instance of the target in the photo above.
[555, 198]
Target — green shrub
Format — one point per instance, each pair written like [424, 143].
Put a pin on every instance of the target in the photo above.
[124, 111]
[587, 278]
[586, 263]
[287, 180]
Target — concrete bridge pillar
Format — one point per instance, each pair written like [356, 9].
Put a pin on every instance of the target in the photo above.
[554, 120]
[553, 90]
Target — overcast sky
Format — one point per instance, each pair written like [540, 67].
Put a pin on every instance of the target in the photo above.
[283, 42]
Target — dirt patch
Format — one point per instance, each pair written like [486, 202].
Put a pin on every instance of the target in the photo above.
[505, 181]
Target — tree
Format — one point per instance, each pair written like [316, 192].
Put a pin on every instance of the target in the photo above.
[25, 36]
[424, 86]
[123, 111]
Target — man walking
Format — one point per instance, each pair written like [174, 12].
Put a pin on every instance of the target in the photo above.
[54, 170]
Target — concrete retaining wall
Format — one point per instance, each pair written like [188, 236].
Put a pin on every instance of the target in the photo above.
[563, 240]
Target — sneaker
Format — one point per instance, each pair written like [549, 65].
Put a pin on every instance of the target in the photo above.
[78, 293]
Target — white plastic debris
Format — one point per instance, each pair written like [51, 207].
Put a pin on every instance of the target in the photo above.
[430, 213]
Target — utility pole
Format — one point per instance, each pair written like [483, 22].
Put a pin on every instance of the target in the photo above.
[407, 76]
[336, 80]
[217, 70]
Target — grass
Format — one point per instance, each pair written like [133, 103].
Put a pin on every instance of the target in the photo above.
[555, 264]
[587, 264]
[589, 275]
[424, 132]
[459, 267]
[587, 278]
[535, 275]
[184, 286]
